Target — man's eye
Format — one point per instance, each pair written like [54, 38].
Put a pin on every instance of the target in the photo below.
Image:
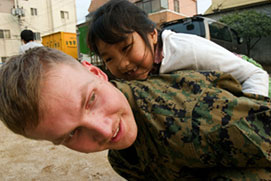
[91, 99]
[70, 136]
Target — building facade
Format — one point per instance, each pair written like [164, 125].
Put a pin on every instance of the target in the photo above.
[43, 17]
[159, 11]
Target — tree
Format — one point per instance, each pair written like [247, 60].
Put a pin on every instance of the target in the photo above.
[250, 25]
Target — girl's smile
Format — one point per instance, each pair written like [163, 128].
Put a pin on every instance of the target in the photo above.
[131, 58]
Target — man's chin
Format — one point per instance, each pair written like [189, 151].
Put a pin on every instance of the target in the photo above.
[126, 145]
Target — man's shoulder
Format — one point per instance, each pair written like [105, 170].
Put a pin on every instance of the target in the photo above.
[202, 77]
[187, 83]
[177, 79]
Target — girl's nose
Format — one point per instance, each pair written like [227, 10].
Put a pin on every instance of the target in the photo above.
[124, 63]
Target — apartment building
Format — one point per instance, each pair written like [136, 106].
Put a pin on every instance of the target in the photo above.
[41, 16]
[159, 10]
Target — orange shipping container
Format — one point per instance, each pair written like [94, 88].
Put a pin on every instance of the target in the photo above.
[63, 41]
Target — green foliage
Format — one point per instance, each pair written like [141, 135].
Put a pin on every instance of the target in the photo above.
[249, 24]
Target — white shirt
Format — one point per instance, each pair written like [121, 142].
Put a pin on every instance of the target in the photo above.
[186, 51]
[29, 45]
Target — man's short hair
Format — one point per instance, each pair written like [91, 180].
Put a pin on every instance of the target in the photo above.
[27, 35]
[20, 80]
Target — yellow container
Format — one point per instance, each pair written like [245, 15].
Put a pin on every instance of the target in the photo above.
[63, 41]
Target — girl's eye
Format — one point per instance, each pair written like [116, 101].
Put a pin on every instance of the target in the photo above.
[124, 49]
[107, 60]
[91, 100]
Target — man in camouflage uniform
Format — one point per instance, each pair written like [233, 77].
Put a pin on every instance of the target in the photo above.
[191, 125]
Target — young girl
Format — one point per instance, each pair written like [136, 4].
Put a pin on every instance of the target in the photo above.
[131, 48]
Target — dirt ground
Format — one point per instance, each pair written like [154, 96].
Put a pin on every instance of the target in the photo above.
[28, 160]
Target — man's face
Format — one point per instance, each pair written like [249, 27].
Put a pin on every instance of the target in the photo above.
[83, 111]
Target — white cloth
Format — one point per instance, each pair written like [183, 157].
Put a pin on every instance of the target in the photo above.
[29, 45]
[186, 51]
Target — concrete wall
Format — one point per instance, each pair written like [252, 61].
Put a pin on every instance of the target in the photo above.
[187, 8]
[6, 5]
[165, 16]
[47, 21]
[9, 46]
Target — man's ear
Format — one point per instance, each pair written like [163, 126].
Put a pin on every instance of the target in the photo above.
[95, 70]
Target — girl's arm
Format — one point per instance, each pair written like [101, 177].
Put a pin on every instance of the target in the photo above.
[185, 51]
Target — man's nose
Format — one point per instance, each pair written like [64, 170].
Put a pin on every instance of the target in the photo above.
[99, 129]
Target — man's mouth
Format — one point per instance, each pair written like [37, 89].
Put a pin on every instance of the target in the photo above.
[116, 133]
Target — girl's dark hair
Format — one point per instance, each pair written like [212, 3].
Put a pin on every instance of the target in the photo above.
[114, 20]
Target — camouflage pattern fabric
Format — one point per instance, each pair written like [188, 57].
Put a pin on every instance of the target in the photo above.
[196, 126]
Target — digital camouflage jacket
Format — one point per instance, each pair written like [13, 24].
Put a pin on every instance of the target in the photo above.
[195, 125]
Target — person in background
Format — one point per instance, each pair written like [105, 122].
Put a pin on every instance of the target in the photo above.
[27, 36]
[178, 126]
[132, 48]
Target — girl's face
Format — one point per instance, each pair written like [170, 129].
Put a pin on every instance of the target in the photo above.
[130, 59]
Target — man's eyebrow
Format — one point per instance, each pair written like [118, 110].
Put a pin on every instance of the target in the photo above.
[83, 91]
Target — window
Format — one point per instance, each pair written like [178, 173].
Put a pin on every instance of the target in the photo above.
[64, 14]
[4, 59]
[194, 27]
[4, 33]
[176, 6]
[34, 11]
[37, 36]
[146, 5]
[164, 4]
[150, 6]
[139, 4]
[219, 31]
